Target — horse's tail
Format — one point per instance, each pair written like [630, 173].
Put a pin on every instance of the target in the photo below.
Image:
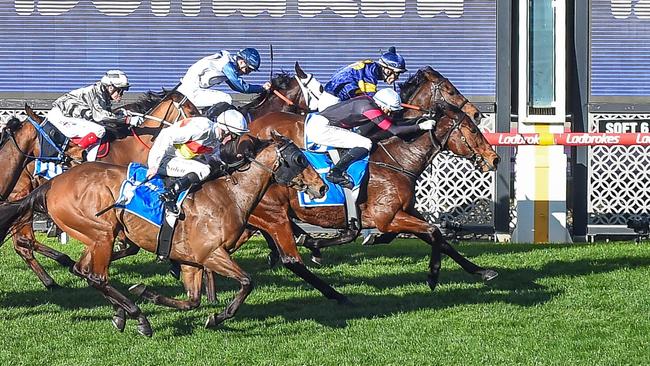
[18, 212]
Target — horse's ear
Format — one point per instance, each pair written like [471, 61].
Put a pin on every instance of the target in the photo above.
[299, 72]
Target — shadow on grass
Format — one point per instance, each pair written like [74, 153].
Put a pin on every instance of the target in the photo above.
[518, 287]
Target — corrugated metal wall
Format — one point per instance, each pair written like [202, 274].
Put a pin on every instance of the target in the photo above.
[56, 46]
[620, 48]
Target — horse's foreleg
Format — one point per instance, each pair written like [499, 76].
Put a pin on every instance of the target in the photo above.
[93, 266]
[192, 278]
[221, 262]
[280, 232]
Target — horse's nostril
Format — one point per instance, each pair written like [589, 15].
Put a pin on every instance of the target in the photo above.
[496, 161]
[322, 190]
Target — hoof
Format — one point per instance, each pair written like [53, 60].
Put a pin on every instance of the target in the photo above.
[432, 282]
[119, 320]
[138, 289]
[272, 259]
[317, 260]
[144, 327]
[369, 240]
[210, 322]
[488, 274]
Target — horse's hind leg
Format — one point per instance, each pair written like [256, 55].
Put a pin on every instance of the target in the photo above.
[221, 262]
[191, 276]
[23, 242]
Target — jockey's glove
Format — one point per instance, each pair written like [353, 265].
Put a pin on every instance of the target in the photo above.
[427, 125]
[134, 121]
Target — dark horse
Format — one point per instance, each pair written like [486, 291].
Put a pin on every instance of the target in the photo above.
[21, 146]
[214, 219]
[388, 203]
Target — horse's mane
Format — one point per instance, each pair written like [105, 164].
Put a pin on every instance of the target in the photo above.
[408, 88]
[147, 101]
[281, 81]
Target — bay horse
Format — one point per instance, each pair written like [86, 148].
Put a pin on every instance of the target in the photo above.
[214, 218]
[389, 202]
[395, 165]
[21, 146]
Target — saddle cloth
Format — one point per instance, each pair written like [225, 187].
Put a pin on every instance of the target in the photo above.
[318, 157]
[141, 197]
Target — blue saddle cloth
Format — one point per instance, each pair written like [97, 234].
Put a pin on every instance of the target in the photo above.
[319, 158]
[141, 197]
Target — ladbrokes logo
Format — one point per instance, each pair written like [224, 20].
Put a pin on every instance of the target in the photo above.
[586, 139]
[519, 139]
[306, 8]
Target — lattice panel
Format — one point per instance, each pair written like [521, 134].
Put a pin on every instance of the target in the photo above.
[452, 189]
[618, 178]
[5, 114]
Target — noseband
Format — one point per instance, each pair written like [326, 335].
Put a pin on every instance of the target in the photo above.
[438, 96]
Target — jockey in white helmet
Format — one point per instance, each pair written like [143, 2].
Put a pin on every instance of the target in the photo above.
[216, 69]
[190, 148]
[81, 112]
[333, 128]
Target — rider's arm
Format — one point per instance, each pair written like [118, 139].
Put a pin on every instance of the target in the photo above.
[236, 83]
[378, 117]
[368, 82]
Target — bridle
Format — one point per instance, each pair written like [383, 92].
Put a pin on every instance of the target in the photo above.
[289, 164]
[306, 91]
[437, 99]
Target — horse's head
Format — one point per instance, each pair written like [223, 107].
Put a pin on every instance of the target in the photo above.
[295, 94]
[290, 167]
[457, 133]
[429, 90]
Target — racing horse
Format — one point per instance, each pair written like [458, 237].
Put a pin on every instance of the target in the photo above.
[21, 146]
[214, 218]
[389, 202]
[394, 168]
[296, 94]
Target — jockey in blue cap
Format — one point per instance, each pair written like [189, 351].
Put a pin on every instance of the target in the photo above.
[216, 69]
[362, 77]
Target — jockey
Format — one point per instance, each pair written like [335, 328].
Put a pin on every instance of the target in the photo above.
[218, 68]
[189, 149]
[362, 78]
[81, 112]
[332, 128]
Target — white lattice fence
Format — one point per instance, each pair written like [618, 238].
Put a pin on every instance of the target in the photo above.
[618, 178]
[451, 188]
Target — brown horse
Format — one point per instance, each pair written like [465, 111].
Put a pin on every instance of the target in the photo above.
[395, 165]
[21, 146]
[214, 219]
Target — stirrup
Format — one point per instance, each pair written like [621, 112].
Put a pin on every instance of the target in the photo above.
[342, 179]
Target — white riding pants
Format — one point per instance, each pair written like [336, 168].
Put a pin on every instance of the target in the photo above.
[202, 98]
[321, 132]
[74, 127]
[174, 166]
[325, 100]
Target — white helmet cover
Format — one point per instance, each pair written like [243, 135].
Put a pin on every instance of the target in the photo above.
[233, 121]
[116, 78]
[388, 98]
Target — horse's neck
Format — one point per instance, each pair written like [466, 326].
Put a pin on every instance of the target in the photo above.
[127, 150]
[13, 159]
[413, 157]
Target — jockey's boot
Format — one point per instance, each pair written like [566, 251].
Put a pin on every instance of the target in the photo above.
[179, 185]
[338, 175]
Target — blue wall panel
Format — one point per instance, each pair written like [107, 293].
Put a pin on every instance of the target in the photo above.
[56, 53]
[620, 48]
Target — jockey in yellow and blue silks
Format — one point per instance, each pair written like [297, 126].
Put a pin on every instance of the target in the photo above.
[361, 78]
